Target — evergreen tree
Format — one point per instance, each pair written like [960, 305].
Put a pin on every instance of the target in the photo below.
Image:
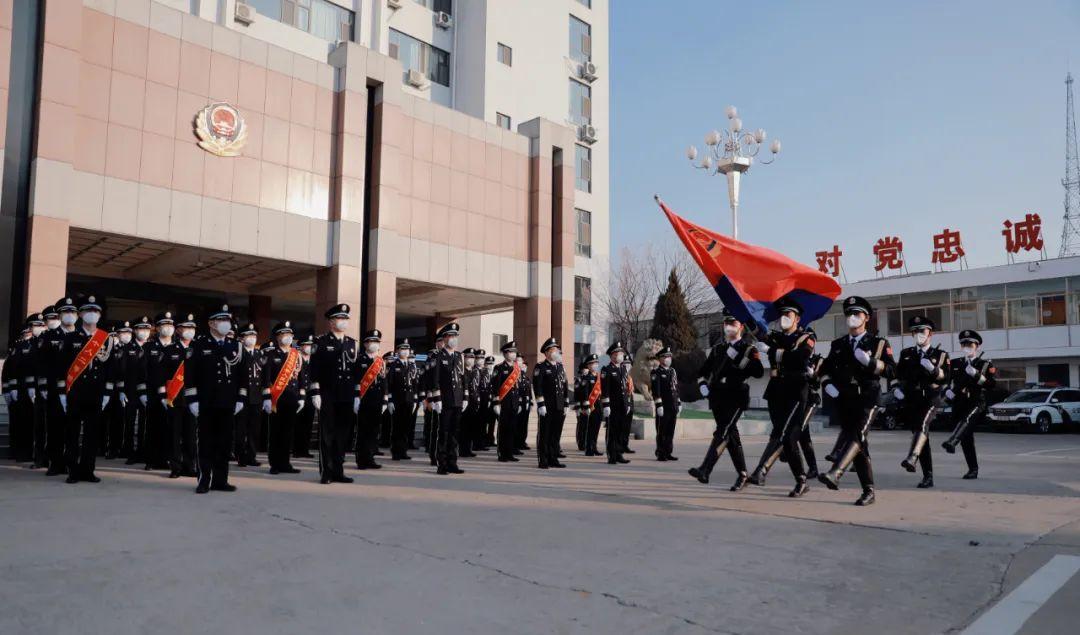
[672, 323]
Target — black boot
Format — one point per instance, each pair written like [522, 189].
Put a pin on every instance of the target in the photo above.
[949, 445]
[740, 482]
[867, 497]
[700, 474]
[971, 474]
[831, 479]
[758, 477]
[800, 488]
[203, 486]
[927, 481]
[838, 447]
[918, 440]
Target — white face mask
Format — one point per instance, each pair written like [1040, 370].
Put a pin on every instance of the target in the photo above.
[510, 356]
[91, 317]
[786, 322]
[470, 362]
[594, 367]
[125, 338]
[285, 341]
[617, 358]
[341, 325]
[521, 364]
[167, 330]
[855, 320]
[249, 341]
[731, 333]
[187, 334]
[666, 362]
[403, 355]
[222, 327]
[52, 324]
[371, 348]
[970, 350]
[305, 350]
[921, 338]
[555, 356]
[37, 330]
[451, 343]
[68, 318]
[489, 367]
[142, 335]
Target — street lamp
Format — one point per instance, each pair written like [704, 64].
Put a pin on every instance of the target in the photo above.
[731, 152]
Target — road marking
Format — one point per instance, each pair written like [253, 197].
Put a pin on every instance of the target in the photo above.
[1050, 450]
[1009, 615]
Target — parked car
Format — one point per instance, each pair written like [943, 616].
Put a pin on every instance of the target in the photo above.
[1037, 410]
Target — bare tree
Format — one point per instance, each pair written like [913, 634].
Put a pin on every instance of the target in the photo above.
[627, 301]
[663, 258]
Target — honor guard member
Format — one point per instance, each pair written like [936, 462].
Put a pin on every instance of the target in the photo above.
[449, 397]
[52, 363]
[552, 390]
[302, 437]
[722, 379]
[972, 376]
[664, 382]
[789, 350]
[403, 380]
[468, 426]
[85, 390]
[135, 387]
[613, 397]
[922, 371]
[371, 400]
[333, 390]
[20, 387]
[581, 430]
[431, 418]
[525, 407]
[215, 386]
[485, 430]
[852, 374]
[505, 401]
[282, 397]
[249, 420]
[119, 403]
[589, 403]
[386, 421]
[184, 451]
[165, 384]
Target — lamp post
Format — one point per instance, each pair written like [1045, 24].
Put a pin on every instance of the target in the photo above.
[731, 152]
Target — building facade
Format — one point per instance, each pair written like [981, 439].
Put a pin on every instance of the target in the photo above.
[422, 160]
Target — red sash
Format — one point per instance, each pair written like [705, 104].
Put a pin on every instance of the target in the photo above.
[284, 376]
[594, 394]
[510, 382]
[174, 385]
[370, 376]
[630, 384]
[86, 356]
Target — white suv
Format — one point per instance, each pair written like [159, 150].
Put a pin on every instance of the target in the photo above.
[1037, 409]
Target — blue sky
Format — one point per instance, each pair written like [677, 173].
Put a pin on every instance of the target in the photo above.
[896, 118]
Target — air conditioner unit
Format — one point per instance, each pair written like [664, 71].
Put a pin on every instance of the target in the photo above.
[443, 20]
[588, 71]
[587, 133]
[393, 4]
[416, 79]
[244, 13]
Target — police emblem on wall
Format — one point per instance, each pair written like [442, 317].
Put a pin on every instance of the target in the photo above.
[221, 129]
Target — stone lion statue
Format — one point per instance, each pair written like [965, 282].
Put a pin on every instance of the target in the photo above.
[640, 371]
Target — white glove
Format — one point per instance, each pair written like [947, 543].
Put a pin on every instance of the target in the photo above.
[542, 411]
[239, 407]
[356, 405]
[607, 412]
[465, 404]
[63, 402]
[142, 400]
[164, 403]
[32, 394]
[498, 409]
[104, 402]
[659, 411]
[123, 400]
[928, 365]
[194, 409]
[731, 352]
[437, 407]
[300, 405]
[384, 407]
[970, 370]
[704, 390]
[862, 356]
[831, 391]
[762, 347]
[949, 394]
[316, 400]
[267, 406]
[629, 409]
[899, 394]
[678, 409]
[390, 407]
[9, 398]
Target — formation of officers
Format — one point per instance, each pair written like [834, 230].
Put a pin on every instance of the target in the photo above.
[158, 393]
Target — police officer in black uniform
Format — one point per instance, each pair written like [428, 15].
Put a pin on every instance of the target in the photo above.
[722, 379]
[431, 417]
[485, 429]
[525, 404]
[552, 390]
[403, 381]
[215, 386]
[249, 420]
[469, 425]
[370, 405]
[589, 405]
[52, 364]
[972, 376]
[20, 387]
[922, 371]
[333, 390]
[616, 405]
[304, 421]
[852, 374]
[163, 357]
[449, 397]
[290, 401]
[133, 386]
[664, 382]
[505, 401]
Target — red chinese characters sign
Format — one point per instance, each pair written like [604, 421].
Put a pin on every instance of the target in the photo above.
[889, 253]
[947, 247]
[829, 261]
[1025, 234]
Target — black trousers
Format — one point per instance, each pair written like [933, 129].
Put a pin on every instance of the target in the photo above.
[134, 430]
[183, 446]
[489, 424]
[213, 440]
[403, 428]
[913, 413]
[367, 433]
[21, 426]
[507, 431]
[158, 449]
[449, 420]
[336, 422]
[55, 429]
[466, 429]
[786, 414]
[594, 420]
[581, 430]
[725, 437]
[967, 439]
[616, 422]
[302, 431]
[523, 428]
[83, 429]
[548, 433]
[280, 440]
[665, 432]
[853, 416]
[114, 413]
[41, 456]
[246, 435]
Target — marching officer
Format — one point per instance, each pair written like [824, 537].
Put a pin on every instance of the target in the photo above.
[371, 400]
[789, 351]
[469, 425]
[403, 381]
[133, 385]
[722, 379]
[283, 396]
[972, 376]
[302, 438]
[249, 420]
[921, 372]
[449, 397]
[52, 342]
[333, 390]
[617, 406]
[505, 401]
[852, 374]
[525, 405]
[215, 387]
[664, 382]
[589, 405]
[85, 390]
[552, 390]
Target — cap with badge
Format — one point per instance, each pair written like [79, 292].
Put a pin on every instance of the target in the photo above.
[727, 316]
[337, 311]
[449, 330]
[920, 322]
[123, 327]
[35, 319]
[548, 344]
[249, 329]
[164, 318]
[589, 359]
[374, 335]
[221, 314]
[616, 347]
[855, 304]
[969, 336]
[142, 322]
[469, 352]
[788, 303]
[65, 304]
[404, 345]
[283, 327]
[188, 320]
[90, 304]
[49, 312]
[509, 347]
[664, 352]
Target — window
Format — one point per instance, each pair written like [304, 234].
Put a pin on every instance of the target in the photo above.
[582, 300]
[497, 342]
[583, 163]
[503, 121]
[320, 18]
[581, 351]
[415, 55]
[583, 244]
[585, 3]
[580, 102]
[580, 40]
[435, 5]
[505, 54]
[1023, 312]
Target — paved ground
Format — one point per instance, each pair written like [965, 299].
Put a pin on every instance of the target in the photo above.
[509, 549]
